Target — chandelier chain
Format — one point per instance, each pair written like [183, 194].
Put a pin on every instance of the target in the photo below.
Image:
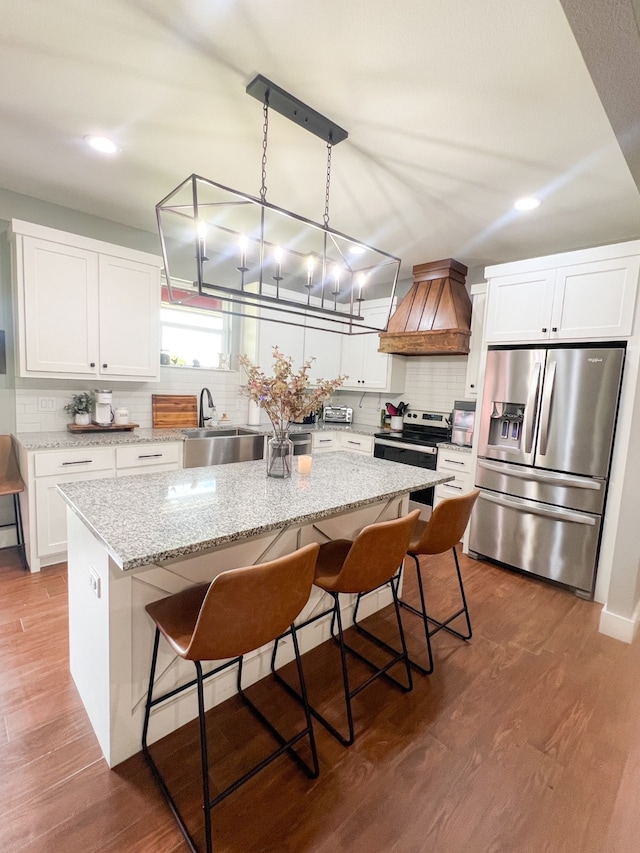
[328, 185]
[265, 132]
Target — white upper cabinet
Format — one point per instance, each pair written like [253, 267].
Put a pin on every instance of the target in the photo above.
[589, 295]
[366, 368]
[84, 308]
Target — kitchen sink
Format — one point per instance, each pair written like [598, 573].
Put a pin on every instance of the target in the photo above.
[210, 432]
[221, 446]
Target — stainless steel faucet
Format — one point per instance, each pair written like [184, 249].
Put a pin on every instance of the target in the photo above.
[202, 418]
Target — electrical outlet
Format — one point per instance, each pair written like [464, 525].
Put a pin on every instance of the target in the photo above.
[46, 404]
[94, 581]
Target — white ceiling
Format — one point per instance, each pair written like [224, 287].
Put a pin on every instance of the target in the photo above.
[454, 109]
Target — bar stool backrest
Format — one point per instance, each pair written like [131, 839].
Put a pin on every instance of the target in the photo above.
[376, 554]
[249, 607]
[446, 525]
[10, 480]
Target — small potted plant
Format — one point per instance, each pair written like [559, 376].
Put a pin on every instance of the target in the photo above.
[80, 407]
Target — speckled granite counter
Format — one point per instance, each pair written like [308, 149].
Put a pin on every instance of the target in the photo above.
[156, 517]
[447, 445]
[62, 439]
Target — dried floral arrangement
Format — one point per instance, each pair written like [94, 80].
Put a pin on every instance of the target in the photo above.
[286, 396]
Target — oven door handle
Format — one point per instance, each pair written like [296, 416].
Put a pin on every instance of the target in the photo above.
[429, 451]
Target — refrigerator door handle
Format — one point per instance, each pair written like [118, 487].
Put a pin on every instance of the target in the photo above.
[545, 511]
[549, 477]
[545, 409]
[531, 406]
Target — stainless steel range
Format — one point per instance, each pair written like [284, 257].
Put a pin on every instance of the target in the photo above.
[415, 445]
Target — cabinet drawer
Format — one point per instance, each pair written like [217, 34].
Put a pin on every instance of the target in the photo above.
[149, 455]
[460, 485]
[356, 443]
[53, 463]
[451, 460]
[323, 441]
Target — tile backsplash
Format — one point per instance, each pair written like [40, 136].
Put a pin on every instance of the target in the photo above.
[432, 382]
[40, 406]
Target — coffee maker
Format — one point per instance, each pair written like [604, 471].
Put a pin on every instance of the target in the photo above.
[103, 414]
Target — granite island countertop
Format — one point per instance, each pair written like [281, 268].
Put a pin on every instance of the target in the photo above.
[155, 517]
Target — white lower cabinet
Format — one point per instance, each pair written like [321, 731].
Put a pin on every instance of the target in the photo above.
[44, 511]
[458, 462]
[355, 443]
[322, 442]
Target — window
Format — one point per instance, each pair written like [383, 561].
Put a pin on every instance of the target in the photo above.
[192, 338]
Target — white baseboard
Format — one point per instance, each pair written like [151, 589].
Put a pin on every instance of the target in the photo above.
[619, 627]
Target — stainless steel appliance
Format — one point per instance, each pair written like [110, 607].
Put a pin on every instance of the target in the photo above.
[544, 449]
[338, 414]
[415, 445]
[463, 418]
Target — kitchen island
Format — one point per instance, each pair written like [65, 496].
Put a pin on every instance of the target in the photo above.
[133, 540]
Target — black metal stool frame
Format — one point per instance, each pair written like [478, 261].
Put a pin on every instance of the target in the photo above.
[349, 694]
[311, 771]
[443, 625]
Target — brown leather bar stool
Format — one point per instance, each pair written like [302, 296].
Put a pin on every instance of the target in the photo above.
[360, 566]
[239, 611]
[442, 532]
[11, 483]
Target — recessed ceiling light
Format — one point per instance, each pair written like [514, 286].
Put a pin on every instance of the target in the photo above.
[102, 144]
[527, 203]
[357, 250]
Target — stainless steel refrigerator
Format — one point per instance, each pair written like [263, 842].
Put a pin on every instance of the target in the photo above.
[545, 441]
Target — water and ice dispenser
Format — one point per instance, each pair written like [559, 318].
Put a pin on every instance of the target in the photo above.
[506, 425]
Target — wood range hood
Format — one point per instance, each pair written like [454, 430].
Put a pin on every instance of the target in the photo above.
[434, 317]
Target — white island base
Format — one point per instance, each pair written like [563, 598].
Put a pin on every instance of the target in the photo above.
[111, 635]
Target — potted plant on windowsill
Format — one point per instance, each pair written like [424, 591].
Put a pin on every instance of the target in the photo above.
[80, 408]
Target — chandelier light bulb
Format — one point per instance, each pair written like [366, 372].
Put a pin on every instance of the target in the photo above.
[202, 230]
[277, 254]
[243, 243]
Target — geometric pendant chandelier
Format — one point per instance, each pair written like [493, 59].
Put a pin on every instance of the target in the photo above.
[251, 257]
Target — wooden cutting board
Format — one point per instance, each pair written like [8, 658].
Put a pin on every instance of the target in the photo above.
[174, 410]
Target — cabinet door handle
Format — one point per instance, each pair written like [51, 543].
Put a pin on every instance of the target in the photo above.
[325, 440]
[449, 486]
[544, 328]
[92, 364]
[554, 328]
[349, 441]
[79, 462]
[106, 365]
[150, 456]
[454, 461]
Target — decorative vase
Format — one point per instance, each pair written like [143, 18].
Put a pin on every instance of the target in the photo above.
[279, 455]
[82, 418]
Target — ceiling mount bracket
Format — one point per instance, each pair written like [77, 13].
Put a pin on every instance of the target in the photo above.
[295, 110]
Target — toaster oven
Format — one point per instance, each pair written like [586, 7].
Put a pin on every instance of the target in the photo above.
[338, 415]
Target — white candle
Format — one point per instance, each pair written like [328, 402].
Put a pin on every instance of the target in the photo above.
[277, 254]
[304, 464]
[310, 265]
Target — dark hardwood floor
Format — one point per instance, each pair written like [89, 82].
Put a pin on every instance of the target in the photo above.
[525, 739]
